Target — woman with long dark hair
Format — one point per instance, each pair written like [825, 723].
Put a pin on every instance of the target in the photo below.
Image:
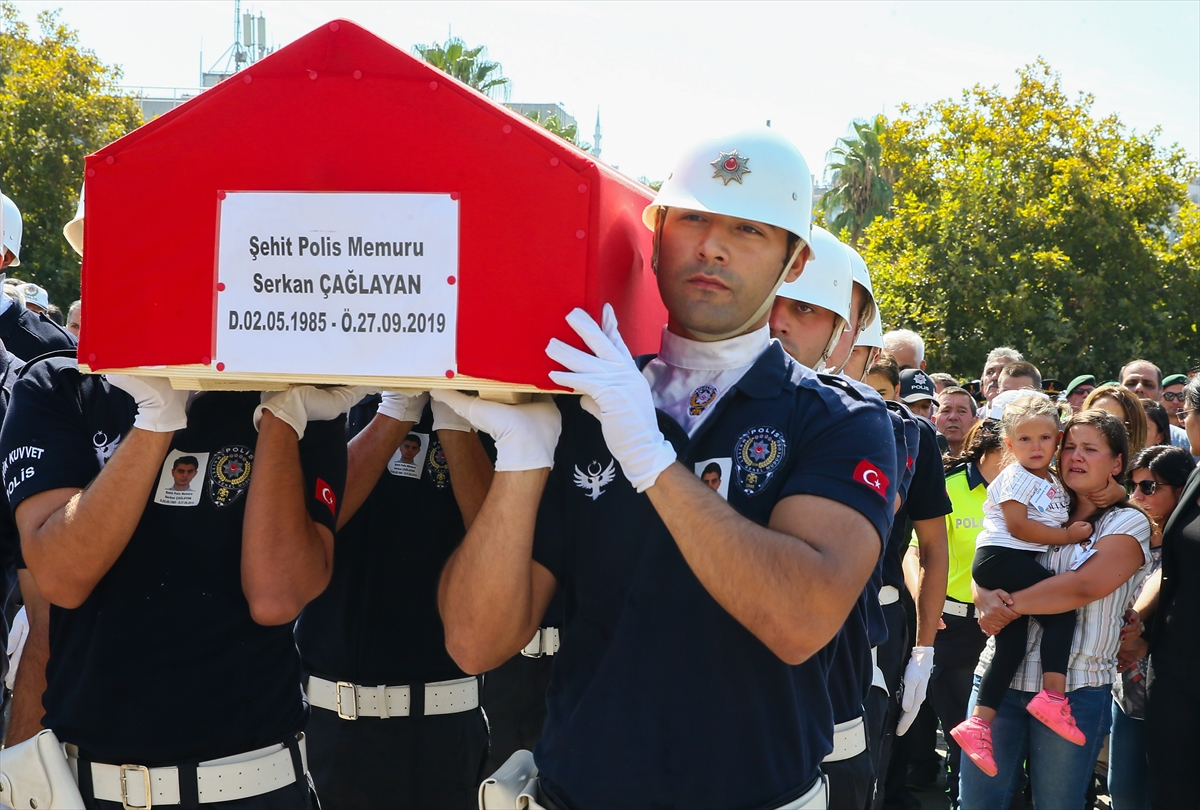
[1097, 580]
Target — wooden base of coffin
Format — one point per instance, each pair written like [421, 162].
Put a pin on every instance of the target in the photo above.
[206, 378]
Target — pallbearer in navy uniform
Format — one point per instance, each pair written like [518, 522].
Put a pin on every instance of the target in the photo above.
[694, 654]
[395, 722]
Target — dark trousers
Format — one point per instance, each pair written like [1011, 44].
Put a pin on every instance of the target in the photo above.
[957, 650]
[892, 657]
[398, 762]
[514, 699]
[1172, 736]
[1013, 570]
[850, 781]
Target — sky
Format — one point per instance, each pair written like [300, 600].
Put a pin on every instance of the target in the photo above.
[665, 74]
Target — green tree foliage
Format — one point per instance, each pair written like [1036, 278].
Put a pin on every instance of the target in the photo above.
[862, 187]
[568, 132]
[59, 102]
[1023, 220]
[469, 65]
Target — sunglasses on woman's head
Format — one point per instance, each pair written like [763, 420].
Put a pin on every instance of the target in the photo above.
[1148, 487]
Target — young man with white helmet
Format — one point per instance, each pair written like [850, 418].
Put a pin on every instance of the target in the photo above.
[696, 627]
[811, 313]
[25, 333]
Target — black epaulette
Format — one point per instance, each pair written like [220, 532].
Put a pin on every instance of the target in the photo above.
[842, 383]
[71, 353]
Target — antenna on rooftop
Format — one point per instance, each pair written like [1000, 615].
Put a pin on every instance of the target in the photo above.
[249, 45]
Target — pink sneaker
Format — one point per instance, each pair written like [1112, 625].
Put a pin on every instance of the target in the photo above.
[975, 738]
[1055, 711]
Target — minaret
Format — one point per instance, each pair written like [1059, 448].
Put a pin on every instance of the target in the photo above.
[596, 137]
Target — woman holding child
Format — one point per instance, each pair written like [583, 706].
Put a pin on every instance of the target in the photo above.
[1094, 580]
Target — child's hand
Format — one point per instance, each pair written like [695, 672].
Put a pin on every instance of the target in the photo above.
[1113, 493]
[1079, 531]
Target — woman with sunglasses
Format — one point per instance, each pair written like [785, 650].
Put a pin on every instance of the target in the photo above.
[1173, 697]
[1157, 478]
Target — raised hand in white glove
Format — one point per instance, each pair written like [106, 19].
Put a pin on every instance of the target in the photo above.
[161, 409]
[916, 684]
[617, 394]
[16, 645]
[446, 418]
[301, 404]
[525, 435]
[403, 406]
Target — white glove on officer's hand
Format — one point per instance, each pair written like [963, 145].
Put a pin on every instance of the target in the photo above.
[446, 418]
[161, 409]
[916, 684]
[525, 435]
[403, 406]
[16, 645]
[617, 394]
[302, 404]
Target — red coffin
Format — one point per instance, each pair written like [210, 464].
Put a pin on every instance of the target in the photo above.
[543, 227]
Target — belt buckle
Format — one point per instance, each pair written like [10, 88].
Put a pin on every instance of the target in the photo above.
[125, 790]
[353, 714]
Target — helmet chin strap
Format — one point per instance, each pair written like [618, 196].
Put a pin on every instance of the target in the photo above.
[838, 329]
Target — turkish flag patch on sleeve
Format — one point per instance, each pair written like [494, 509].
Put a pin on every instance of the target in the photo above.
[871, 476]
[325, 495]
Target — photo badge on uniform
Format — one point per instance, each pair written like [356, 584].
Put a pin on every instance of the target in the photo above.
[436, 466]
[714, 472]
[701, 398]
[757, 455]
[229, 474]
[410, 458]
[178, 484]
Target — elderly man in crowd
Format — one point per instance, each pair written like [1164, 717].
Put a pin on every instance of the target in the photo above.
[907, 347]
[997, 359]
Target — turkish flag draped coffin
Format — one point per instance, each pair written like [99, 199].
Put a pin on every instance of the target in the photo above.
[541, 227]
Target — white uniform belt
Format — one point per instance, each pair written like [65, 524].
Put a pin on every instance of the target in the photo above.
[849, 740]
[352, 701]
[889, 594]
[959, 609]
[220, 780]
[544, 642]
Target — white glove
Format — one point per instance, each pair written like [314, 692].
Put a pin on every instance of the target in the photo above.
[446, 418]
[161, 409]
[404, 406]
[16, 645]
[617, 394]
[525, 435]
[916, 684]
[301, 404]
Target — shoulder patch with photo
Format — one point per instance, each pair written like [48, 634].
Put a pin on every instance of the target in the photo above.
[182, 479]
[408, 461]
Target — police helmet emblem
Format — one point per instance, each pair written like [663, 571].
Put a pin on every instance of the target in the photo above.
[702, 397]
[730, 166]
[229, 474]
[757, 455]
[436, 466]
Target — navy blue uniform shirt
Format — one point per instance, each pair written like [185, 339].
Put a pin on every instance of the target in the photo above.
[927, 499]
[659, 697]
[30, 334]
[163, 663]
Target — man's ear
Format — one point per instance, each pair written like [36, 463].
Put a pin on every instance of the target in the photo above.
[798, 265]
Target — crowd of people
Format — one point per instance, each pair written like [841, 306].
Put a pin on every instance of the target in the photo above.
[756, 569]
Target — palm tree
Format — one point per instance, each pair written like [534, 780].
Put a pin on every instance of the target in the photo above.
[862, 188]
[469, 65]
[568, 132]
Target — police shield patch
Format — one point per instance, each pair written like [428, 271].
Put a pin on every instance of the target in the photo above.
[229, 474]
[436, 466]
[757, 455]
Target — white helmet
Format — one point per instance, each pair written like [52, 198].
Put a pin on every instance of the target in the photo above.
[756, 174]
[862, 276]
[11, 222]
[872, 336]
[73, 230]
[826, 282]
